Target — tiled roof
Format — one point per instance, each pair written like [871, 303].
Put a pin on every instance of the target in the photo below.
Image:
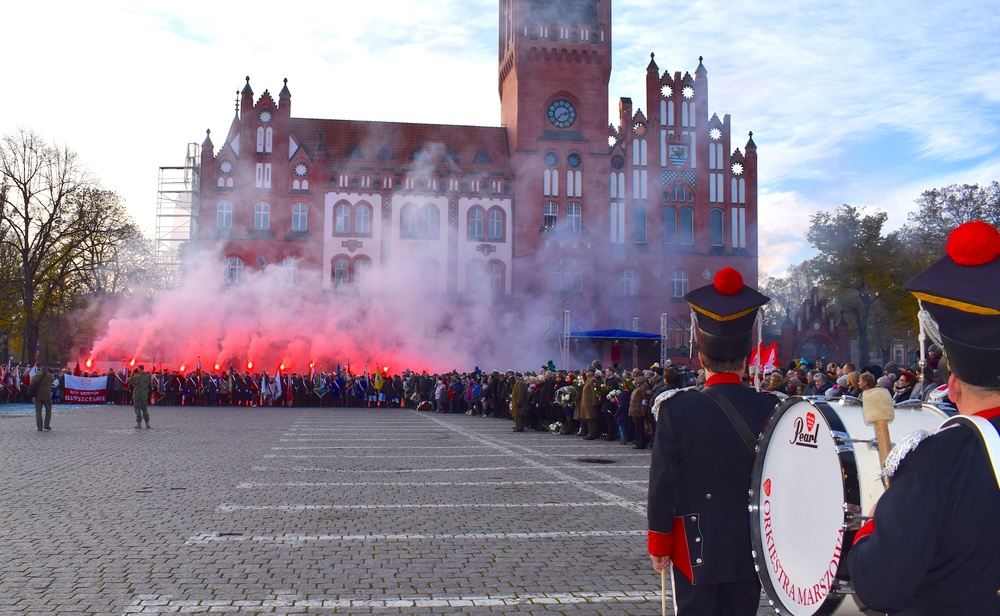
[451, 149]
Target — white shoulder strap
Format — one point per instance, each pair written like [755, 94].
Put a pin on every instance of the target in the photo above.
[987, 434]
[664, 396]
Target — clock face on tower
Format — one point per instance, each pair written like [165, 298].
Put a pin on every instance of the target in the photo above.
[265, 116]
[301, 170]
[562, 113]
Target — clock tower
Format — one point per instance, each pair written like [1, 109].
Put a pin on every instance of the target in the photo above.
[555, 64]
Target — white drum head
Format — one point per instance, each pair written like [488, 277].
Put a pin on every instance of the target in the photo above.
[798, 491]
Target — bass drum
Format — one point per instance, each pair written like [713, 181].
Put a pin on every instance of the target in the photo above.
[815, 476]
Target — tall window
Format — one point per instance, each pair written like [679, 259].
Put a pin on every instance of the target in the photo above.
[409, 220]
[224, 215]
[567, 277]
[496, 271]
[291, 267]
[679, 281]
[495, 230]
[617, 222]
[233, 272]
[476, 224]
[363, 219]
[300, 217]
[685, 234]
[669, 225]
[341, 272]
[639, 225]
[362, 268]
[550, 215]
[715, 227]
[628, 284]
[428, 223]
[262, 216]
[574, 218]
[343, 214]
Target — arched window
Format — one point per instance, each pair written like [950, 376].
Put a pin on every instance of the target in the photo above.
[362, 268]
[260, 139]
[628, 284]
[574, 218]
[262, 216]
[268, 139]
[497, 273]
[567, 277]
[363, 219]
[685, 234]
[408, 221]
[428, 223]
[291, 267]
[679, 281]
[669, 225]
[341, 272]
[224, 215]
[343, 215]
[476, 224]
[550, 215]
[639, 224]
[300, 217]
[233, 272]
[715, 227]
[495, 231]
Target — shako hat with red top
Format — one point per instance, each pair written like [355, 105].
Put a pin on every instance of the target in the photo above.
[725, 312]
[961, 291]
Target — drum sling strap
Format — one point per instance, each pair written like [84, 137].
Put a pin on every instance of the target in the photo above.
[734, 417]
[987, 435]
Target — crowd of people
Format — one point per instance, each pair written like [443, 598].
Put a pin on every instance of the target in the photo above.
[595, 402]
[834, 380]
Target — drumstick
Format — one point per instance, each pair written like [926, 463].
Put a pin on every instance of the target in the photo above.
[663, 590]
[878, 409]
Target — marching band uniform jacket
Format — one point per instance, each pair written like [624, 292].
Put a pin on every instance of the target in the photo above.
[698, 482]
[933, 546]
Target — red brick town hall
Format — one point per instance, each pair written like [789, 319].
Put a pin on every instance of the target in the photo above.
[613, 222]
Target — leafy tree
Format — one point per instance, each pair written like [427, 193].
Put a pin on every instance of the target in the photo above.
[786, 292]
[858, 266]
[940, 210]
[60, 236]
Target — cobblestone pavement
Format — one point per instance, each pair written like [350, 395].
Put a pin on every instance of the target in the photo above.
[352, 511]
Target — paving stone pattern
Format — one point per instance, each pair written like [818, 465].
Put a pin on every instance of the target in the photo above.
[318, 511]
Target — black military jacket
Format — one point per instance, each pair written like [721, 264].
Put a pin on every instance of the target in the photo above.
[699, 479]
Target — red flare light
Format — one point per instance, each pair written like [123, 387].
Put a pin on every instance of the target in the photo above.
[132, 363]
[90, 362]
[182, 367]
[216, 366]
[281, 367]
[249, 365]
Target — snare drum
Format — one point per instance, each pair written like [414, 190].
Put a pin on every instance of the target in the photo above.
[815, 476]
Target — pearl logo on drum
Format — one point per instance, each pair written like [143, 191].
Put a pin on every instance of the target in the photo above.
[806, 431]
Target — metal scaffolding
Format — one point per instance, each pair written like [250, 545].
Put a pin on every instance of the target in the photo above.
[176, 213]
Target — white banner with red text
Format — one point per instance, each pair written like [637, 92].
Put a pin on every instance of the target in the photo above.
[85, 390]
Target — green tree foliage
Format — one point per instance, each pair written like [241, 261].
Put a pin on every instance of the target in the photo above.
[861, 268]
[940, 210]
[61, 237]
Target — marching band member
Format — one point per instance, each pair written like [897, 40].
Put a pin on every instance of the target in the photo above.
[933, 546]
[703, 458]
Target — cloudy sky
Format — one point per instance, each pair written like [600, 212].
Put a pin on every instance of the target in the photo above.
[859, 102]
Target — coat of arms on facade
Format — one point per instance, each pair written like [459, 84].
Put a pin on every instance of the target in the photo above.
[678, 155]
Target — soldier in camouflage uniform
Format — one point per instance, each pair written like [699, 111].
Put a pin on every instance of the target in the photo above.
[140, 396]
